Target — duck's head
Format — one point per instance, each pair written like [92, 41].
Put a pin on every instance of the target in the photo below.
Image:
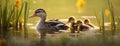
[71, 19]
[79, 22]
[39, 12]
[86, 21]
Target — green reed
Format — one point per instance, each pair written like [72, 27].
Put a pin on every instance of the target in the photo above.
[26, 13]
[118, 21]
[10, 15]
[112, 19]
[98, 19]
[103, 21]
[0, 14]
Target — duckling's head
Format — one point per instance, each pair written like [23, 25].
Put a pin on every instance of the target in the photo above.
[79, 22]
[39, 12]
[86, 21]
[71, 19]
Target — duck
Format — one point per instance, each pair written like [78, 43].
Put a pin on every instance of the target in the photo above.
[81, 26]
[44, 26]
[73, 26]
[87, 22]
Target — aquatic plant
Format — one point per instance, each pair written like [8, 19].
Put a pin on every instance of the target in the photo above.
[103, 21]
[26, 12]
[107, 12]
[100, 19]
[11, 13]
[118, 21]
[112, 19]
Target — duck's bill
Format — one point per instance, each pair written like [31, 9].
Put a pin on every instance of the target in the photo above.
[32, 15]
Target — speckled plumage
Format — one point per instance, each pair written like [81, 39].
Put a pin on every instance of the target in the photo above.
[44, 26]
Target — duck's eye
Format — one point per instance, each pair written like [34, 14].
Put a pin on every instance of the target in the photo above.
[38, 11]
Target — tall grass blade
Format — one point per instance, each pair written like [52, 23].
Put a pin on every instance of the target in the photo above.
[112, 14]
[118, 21]
[10, 14]
[103, 27]
[25, 13]
[98, 20]
[4, 21]
[19, 14]
[0, 15]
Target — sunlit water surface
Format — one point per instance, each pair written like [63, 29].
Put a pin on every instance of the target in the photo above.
[30, 37]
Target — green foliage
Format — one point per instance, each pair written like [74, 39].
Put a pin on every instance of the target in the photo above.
[102, 23]
[10, 15]
[26, 12]
[118, 21]
[98, 19]
[112, 19]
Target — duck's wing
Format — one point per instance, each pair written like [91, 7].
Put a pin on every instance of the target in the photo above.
[53, 23]
[57, 24]
[53, 20]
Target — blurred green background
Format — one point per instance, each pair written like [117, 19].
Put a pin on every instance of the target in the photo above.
[63, 9]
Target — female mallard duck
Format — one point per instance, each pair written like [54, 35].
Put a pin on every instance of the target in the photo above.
[73, 26]
[87, 22]
[82, 27]
[44, 27]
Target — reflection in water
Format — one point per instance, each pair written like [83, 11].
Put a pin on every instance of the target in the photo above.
[25, 32]
[108, 40]
[112, 37]
[42, 42]
[12, 36]
[104, 38]
[28, 37]
[3, 34]
[2, 42]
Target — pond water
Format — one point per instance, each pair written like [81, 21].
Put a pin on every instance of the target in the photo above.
[29, 37]
[63, 9]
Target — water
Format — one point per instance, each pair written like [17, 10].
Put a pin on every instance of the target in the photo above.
[29, 37]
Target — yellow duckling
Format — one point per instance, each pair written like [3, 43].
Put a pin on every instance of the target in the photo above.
[73, 25]
[87, 22]
[82, 27]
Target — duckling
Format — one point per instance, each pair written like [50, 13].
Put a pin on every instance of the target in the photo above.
[44, 26]
[73, 26]
[81, 27]
[87, 22]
